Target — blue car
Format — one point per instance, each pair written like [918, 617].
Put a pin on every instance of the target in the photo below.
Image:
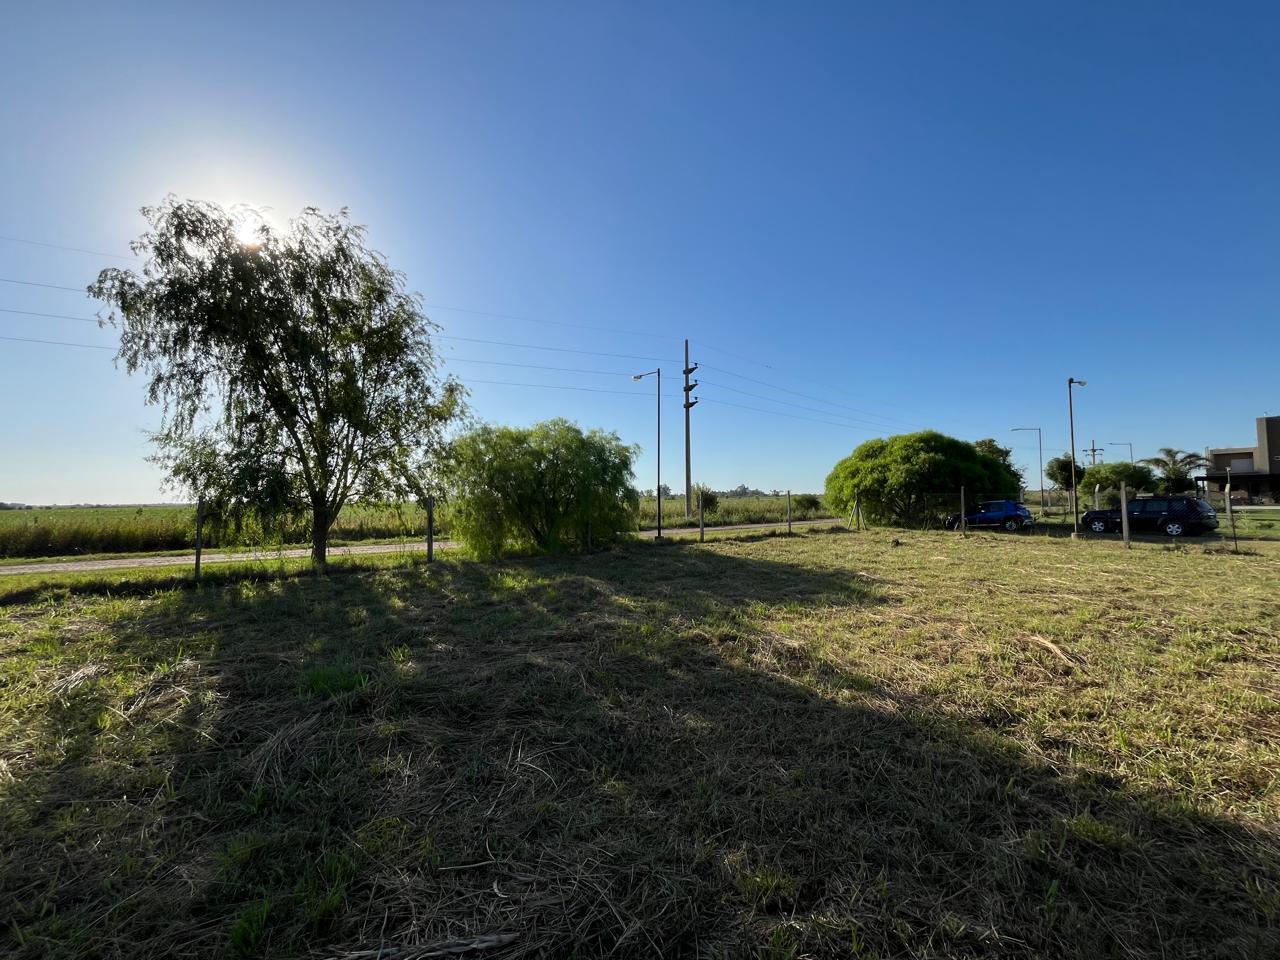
[998, 514]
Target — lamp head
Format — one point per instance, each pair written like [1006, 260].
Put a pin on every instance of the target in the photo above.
[637, 376]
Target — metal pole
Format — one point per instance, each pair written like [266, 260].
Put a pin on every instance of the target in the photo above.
[963, 525]
[702, 530]
[1075, 503]
[788, 511]
[199, 534]
[1124, 513]
[430, 528]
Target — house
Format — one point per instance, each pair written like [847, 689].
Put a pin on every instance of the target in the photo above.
[1253, 472]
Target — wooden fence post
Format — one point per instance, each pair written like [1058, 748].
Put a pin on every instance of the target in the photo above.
[1124, 514]
[199, 533]
[431, 528]
[1231, 519]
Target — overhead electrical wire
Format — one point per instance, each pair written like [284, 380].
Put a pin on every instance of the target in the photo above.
[800, 406]
[51, 316]
[59, 246]
[47, 286]
[888, 419]
[58, 343]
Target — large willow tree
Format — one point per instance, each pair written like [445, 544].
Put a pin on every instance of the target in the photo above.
[295, 371]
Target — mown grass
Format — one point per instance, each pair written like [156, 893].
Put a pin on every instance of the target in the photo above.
[866, 745]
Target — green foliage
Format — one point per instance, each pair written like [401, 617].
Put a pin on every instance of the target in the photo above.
[806, 502]
[1004, 455]
[1174, 467]
[545, 487]
[1058, 471]
[1136, 476]
[914, 479]
[709, 499]
[295, 371]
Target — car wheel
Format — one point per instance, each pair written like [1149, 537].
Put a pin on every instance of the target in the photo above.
[1174, 528]
[1098, 526]
[1012, 524]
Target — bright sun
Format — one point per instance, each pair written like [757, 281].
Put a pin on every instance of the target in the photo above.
[247, 232]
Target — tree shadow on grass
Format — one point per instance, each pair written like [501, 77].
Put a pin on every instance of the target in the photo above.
[629, 753]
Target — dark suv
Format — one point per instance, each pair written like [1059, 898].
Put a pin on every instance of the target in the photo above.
[1171, 516]
[1006, 514]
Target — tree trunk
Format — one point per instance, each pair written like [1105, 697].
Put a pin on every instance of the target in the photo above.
[320, 523]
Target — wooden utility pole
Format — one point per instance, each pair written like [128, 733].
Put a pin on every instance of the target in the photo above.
[199, 534]
[431, 528]
[1124, 514]
[689, 404]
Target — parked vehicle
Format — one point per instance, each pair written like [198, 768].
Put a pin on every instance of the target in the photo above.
[1170, 516]
[1002, 514]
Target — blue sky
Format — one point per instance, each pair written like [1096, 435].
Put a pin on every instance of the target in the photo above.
[906, 214]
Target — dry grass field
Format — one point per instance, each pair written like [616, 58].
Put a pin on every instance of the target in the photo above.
[865, 745]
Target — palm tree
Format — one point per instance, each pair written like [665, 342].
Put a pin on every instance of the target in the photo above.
[1174, 467]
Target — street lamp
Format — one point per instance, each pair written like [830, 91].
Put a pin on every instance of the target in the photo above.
[658, 489]
[1122, 443]
[1071, 418]
[1044, 503]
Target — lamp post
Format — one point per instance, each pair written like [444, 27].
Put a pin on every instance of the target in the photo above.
[1122, 443]
[1044, 503]
[1071, 419]
[658, 489]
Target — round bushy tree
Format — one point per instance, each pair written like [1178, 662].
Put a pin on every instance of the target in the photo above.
[914, 479]
[1058, 470]
[1108, 477]
[547, 487]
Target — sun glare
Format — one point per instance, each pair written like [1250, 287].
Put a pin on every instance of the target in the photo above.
[247, 232]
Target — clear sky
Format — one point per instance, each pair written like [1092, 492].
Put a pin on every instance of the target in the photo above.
[907, 214]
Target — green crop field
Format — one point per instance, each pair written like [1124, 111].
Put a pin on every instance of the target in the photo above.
[71, 531]
[884, 744]
[88, 531]
[729, 511]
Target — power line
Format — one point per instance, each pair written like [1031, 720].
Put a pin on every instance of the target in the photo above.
[58, 343]
[49, 286]
[539, 366]
[807, 396]
[535, 346]
[780, 413]
[554, 323]
[799, 406]
[557, 386]
[59, 246]
[52, 316]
